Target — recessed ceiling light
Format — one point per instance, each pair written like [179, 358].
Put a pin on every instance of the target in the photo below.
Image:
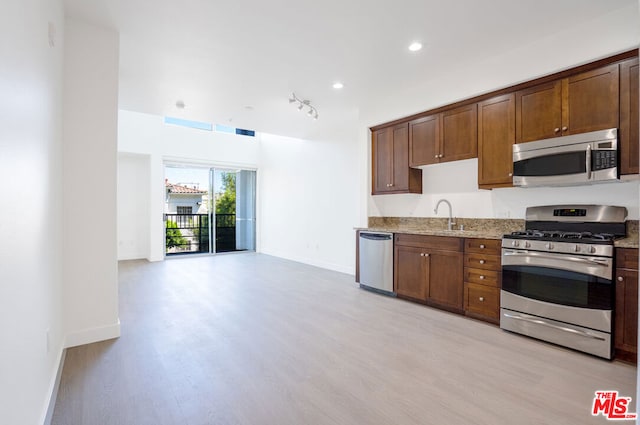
[338, 85]
[415, 46]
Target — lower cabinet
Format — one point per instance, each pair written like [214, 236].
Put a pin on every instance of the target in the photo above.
[626, 318]
[482, 273]
[429, 269]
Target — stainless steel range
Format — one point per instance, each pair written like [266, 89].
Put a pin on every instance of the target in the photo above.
[557, 276]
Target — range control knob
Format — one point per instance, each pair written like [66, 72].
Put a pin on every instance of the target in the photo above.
[577, 248]
[515, 243]
[592, 249]
[549, 245]
[527, 244]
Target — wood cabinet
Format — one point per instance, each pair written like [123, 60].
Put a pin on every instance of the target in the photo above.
[584, 102]
[626, 309]
[496, 136]
[482, 277]
[429, 269]
[390, 162]
[448, 136]
[628, 137]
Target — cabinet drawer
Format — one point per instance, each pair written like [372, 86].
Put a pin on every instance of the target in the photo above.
[485, 246]
[482, 277]
[627, 258]
[482, 261]
[440, 243]
[482, 300]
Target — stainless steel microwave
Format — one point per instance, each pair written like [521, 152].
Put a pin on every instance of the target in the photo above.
[569, 160]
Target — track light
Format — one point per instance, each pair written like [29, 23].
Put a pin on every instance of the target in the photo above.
[311, 112]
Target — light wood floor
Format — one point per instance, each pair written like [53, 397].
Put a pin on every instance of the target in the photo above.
[253, 339]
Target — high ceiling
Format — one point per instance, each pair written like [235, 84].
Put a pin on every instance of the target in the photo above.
[235, 62]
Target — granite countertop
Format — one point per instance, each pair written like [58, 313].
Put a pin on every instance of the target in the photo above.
[474, 228]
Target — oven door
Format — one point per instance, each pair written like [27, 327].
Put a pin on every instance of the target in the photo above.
[563, 279]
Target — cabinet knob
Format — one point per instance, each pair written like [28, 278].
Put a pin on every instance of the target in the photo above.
[482, 246]
[510, 174]
[556, 130]
[565, 128]
[481, 261]
[620, 278]
[481, 277]
[436, 156]
[441, 155]
[481, 299]
[426, 255]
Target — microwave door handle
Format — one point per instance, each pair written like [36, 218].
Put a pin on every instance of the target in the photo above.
[588, 162]
[598, 261]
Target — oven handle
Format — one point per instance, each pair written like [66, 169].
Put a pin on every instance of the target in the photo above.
[561, 328]
[588, 162]
[597, 261]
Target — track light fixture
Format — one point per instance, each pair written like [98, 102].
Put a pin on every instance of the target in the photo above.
[312, 111]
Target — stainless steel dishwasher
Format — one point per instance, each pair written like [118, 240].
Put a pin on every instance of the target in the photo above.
[376, 261]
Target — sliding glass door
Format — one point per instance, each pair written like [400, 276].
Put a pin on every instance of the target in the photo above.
[209, 210]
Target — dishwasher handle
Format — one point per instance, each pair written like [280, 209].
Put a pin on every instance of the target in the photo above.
[376, 236]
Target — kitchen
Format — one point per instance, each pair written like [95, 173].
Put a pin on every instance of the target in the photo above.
[325, 165]
[574, 128]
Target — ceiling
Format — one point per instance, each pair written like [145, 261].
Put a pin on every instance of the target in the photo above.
[235, 62]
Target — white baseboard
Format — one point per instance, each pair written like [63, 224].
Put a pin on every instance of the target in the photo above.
[87, 336]
[312, 262]
[53, 390]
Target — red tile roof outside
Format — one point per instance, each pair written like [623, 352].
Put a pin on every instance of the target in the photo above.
[178, 189]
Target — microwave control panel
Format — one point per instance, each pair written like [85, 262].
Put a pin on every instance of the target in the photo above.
[603, 159]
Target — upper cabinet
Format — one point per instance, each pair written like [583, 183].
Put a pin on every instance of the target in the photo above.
[595, 96]
[496, 135]
[628, 137]
[448, 136]
[584, 102]
[390, 161]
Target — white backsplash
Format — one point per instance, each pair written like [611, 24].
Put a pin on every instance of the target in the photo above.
[457, 181]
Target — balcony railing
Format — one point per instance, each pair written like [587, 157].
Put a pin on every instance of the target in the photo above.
[189, 233]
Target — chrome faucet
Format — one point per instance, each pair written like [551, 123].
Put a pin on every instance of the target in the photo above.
[450, 223]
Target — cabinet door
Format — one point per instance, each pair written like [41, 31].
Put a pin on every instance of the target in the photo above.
[539, 112]
[626, 320]
[424, 140]
[410, 272]
[400, 168]
[628, 137]
[482, 300]
[445, 284]
[459, 134]
[382, 157]
[496, 136]
[592, 100]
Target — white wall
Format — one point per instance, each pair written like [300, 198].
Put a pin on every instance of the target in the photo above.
[457, 181]
[31, 209]
[89, 180]
[308, 191]
[133, 206]
[309, 199]
[146, 134]
[570, 47]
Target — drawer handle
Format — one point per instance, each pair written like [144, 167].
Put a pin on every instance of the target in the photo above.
[481, 299]
[482, 246]
[481, 277]
[481, 261]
